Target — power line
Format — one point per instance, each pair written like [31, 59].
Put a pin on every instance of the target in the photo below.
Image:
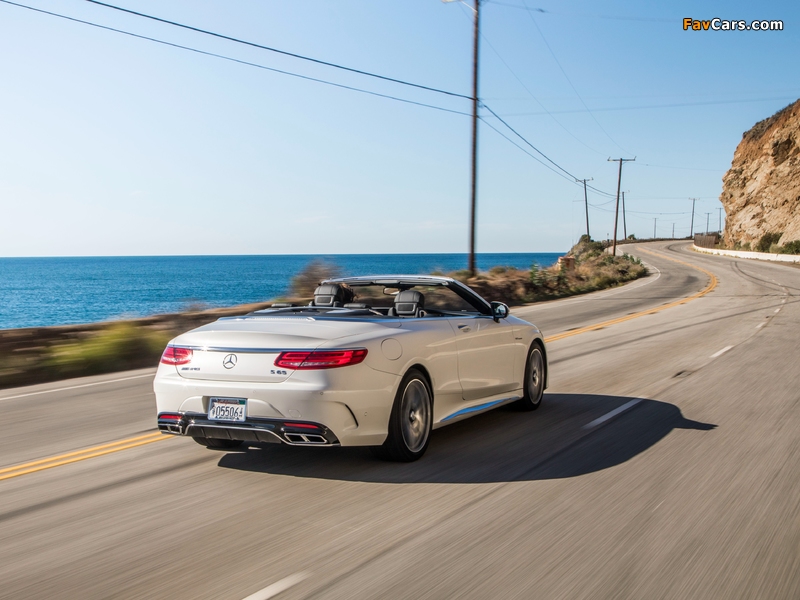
[682, 198]
[577, 14]
[599, 207]
[278, 51]
[642, 212]
[533, 156]
[680, 168]
[560, 172]
[531, 94]
[574, 89]
[674, 105]
[637, 212]
[570, 176]
[542, 154]
[235, 60]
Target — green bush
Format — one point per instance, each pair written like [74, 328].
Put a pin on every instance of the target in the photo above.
[790, 247]
[767, 241]
[119, 347]
[634, 259]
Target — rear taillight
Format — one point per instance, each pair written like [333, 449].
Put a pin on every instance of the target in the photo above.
[174, 355]
[320, 359]
[170, 417]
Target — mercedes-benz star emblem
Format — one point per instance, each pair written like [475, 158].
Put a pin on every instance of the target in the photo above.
[229, 361]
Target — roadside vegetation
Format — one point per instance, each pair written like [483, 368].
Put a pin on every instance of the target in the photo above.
[769, 242]
[42, 354]
[592, 269]
[45, 354]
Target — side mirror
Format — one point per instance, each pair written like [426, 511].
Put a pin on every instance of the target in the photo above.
[499, 311]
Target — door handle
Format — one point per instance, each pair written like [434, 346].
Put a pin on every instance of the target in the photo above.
[465, 328]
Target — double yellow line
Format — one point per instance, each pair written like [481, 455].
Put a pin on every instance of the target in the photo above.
[79, 455]
[650, 311]
[95, 451]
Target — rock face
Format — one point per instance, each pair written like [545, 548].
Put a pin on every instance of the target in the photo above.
[761, 191]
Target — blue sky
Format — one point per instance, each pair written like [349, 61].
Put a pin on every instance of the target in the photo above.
[118, 146]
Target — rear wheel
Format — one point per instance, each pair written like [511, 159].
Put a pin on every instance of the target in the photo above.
[411, 420]
[217, 444]
[535, 375]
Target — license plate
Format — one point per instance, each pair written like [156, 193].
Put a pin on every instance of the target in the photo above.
[226, 409]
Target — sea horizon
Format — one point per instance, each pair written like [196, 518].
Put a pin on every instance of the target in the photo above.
[67, 290]
[287, 254]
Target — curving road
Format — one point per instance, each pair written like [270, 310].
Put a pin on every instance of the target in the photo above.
[664, 463]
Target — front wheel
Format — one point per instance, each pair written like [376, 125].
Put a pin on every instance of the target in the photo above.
[411, 420]
[535, 375]
[217, 444]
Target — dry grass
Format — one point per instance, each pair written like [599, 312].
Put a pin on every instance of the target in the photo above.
[594, 270]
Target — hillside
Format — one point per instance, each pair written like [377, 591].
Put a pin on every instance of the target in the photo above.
[761, 191]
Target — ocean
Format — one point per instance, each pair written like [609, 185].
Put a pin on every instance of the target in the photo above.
[37, 292]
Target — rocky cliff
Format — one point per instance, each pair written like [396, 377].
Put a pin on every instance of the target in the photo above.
[761, 191]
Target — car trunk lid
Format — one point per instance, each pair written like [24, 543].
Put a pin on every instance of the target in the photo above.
[244, 349]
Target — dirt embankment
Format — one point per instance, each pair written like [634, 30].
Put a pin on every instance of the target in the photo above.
[761, 191]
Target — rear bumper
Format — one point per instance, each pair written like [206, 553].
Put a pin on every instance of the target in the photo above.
[352, 405]
[251, 430]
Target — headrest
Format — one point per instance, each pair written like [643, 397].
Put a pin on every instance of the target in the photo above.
[331, 294]
[408, 303]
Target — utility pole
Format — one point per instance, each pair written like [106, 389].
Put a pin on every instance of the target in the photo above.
[474, 181]
[673, 231]
[474, 200]
[691, 227]
[708, 214]
[655, 220]
[616, 209]
[720, 220]
[586, 202]
[624, 222]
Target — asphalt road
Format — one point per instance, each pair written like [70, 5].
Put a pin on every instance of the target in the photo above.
[663, 463]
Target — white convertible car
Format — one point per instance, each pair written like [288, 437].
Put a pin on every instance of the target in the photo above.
[372, 361]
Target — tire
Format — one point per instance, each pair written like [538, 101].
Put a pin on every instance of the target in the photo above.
[535, 376]
[411, 421]
[217, 444]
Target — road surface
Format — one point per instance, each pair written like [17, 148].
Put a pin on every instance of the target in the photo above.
[663, 463]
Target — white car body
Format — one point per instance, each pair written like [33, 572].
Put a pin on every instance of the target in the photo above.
[473, 362]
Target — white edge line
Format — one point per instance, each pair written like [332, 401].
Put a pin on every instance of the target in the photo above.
[760, 325]
[278, 587]
[721, 352]
[75, 387]
[612, 414]
[777, 310]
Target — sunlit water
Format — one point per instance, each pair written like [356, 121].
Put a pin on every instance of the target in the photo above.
[58, 291]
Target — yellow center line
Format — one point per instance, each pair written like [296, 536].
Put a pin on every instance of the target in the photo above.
[134, 442]
[79, 455]
[711, 285]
